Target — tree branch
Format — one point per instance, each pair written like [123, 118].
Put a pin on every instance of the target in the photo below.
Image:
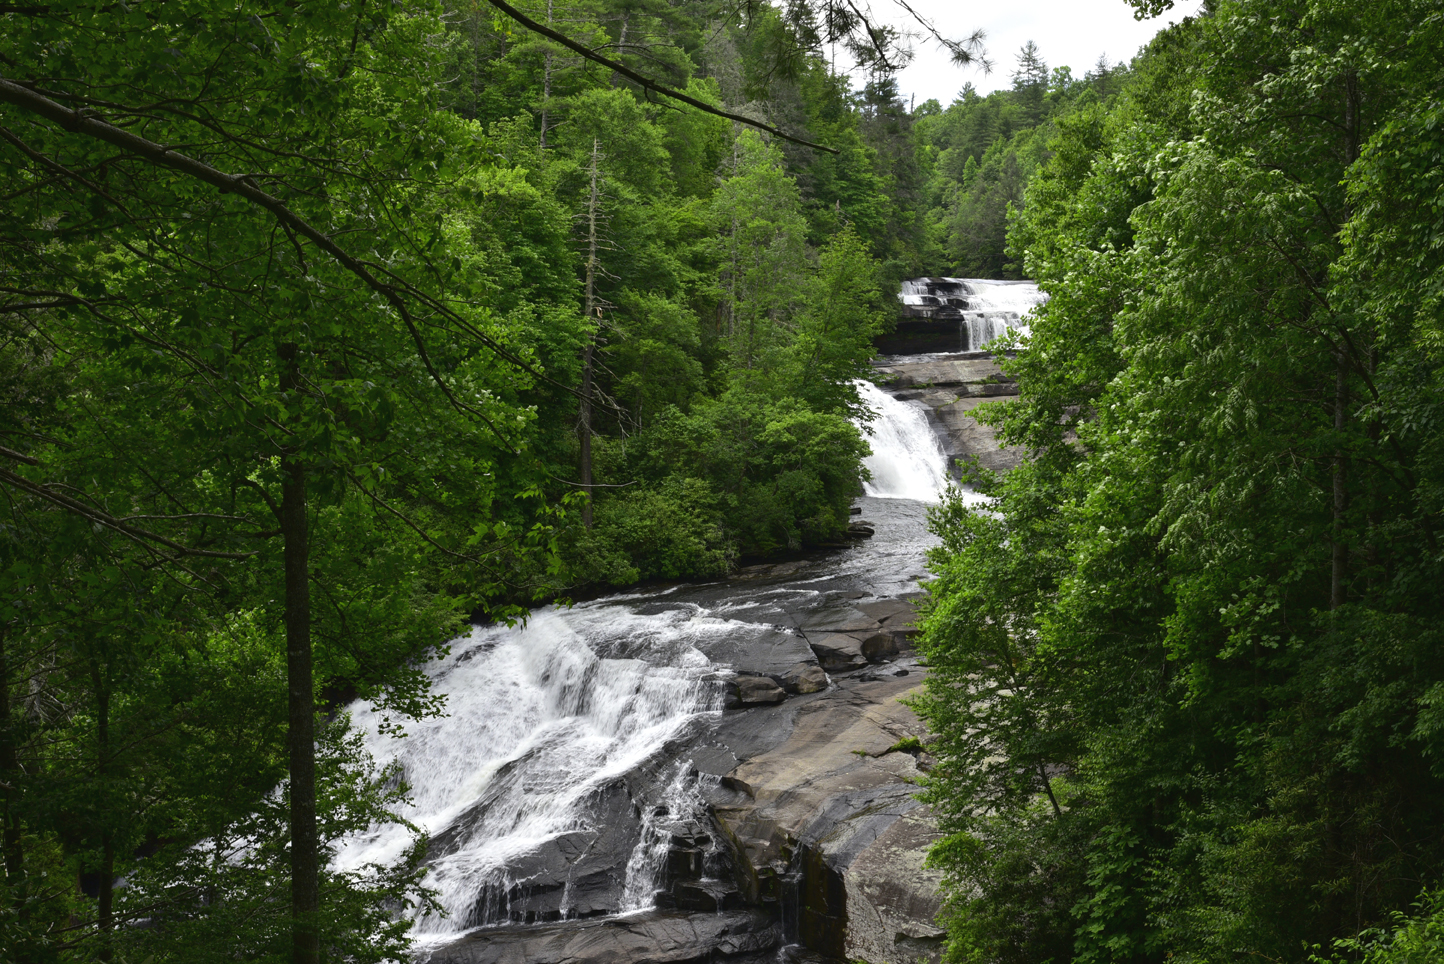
[243, 186]
[644, 81]
[111, 522]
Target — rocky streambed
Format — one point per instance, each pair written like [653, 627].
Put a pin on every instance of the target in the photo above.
[700, 772]
[781, 818]
[809, 836]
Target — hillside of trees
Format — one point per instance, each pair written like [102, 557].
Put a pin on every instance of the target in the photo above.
[325, 327]
[1186, 668]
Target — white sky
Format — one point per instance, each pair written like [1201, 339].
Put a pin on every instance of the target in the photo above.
[1067, 32]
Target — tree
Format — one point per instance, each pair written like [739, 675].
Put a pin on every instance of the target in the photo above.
[1030, 82]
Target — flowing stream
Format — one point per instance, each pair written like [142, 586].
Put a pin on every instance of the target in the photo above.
[565, 763]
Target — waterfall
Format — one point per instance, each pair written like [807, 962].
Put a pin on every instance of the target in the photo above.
[984, 310]
[546, 757]
[996, 306]
[906, 461]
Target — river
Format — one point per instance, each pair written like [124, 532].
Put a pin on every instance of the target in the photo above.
[579, 748]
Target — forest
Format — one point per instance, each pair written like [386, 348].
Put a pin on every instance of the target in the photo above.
[1187, 667]
[327, 328]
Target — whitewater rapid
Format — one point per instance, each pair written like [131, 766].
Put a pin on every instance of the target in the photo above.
[539, 720]
[907, 462]
[985, 310]
[576, 733]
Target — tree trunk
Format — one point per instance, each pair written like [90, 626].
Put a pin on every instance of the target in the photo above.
[305, 845]
[14, 855]
[1339, 556]
[105, 918]
[546, 84]
[621, 46]
[584, 426]
[1339, 560]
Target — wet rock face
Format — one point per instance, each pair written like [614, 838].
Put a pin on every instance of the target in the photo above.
[811, 835]
[765, 651]
[956, 314]
[820, 807]
[578, 874]
[951, 387]
[657, 937]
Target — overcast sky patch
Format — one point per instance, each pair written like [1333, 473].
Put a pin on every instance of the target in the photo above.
[1068, 32]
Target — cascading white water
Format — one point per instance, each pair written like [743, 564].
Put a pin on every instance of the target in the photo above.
[682, 797]
[539, 721]
[994, 307]
[985, 310]
[906, 461]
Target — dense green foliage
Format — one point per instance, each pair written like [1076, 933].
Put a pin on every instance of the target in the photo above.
[1187, 668]
[323, 325]
[981, 152]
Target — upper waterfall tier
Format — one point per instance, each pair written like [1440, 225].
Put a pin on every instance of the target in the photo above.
[958, 314]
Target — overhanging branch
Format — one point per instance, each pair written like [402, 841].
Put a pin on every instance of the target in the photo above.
[107, 520]
[643, 80]
[82, 123]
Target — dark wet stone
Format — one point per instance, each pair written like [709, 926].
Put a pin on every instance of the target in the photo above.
[657, 937]
[837, 652]
[879, 647]
[805, 678]
[839, 619]
[587, 867]
[707, 896]
[755, 690]
[761, 651]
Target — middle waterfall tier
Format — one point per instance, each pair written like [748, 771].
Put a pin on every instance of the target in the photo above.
[907, 461]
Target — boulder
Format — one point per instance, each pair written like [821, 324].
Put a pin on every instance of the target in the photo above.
[839, 619]
[837, 652]
[760, 650]
[879, 647]
[805, 678]
[755, 690]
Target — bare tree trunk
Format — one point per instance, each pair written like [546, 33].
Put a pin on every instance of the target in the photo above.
[621, 46]
[546, 83]
[585, 422]
[1339, 556]
[1339, 560]
[14, 855]
[105, 918]
[301, 710]
[732, 253]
